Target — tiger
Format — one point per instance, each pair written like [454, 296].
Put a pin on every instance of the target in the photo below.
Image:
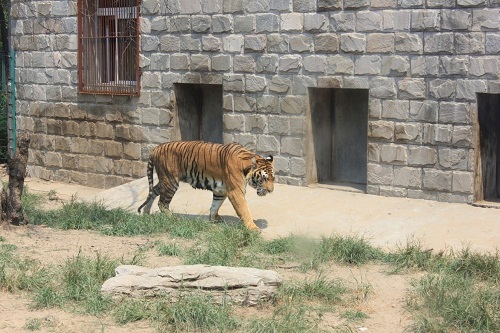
[224, 169]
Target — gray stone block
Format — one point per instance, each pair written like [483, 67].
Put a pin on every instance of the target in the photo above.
[277, 43]
[342, 22]
[467, 89]
[170, 44]
[373, 152]
[256, 123]
[300, 43]
[425, 66]
[280, 85]
[396, 109]
[492, 43]
[211, 43]
[294, 104]
[292, 146]
[244, 24]
[329, 5]
[160, 62]
[407, 177]
[222, 24]
[268, 104]
[470, 43]
[221, 63]
[425, 20]
[232, 6]
[463, 182]
[408, 43]
[396, 20]
[290, 64]
[268, 144]
[301, 84]
[339, 64]
[279, 125]
[257, 6]
[234, 83]
[244, 104]
[190, 7]
[233, 43]
[424, 111]
[244, 63]
[211, 6]
[380, 43]
[200, 63]
[368, 21]
[292, 22]
[179, 62]
[381, 129]
[329, 82]
[356, 4]
[437, 134]
[422, 156]
[455, 65]
[353, 43]
[368, 65]
[462, 136]
[297, 166]
[233, 122]
[454, 19]
[440, 3]
[315, 23]
[190, 43]
[255, 43]
[442, 89]
[394, 154]
[381, 87]
[327, 43]
[412, 89]
[180, 24]
[442, 43]
[437, 180]
[267, 63]
[314, 64]
[486, 19]
[454, 113]
[149, 43]
[280, 5]
[408, 132]
[380, 174]
[395, 65]
[201, 23]
[452, 158]
[254, 83]
[411, 3]
[267, 23]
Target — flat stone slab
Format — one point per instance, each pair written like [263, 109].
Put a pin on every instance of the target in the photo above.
[237, 285]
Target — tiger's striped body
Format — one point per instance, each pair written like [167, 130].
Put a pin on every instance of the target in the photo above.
[223, 169]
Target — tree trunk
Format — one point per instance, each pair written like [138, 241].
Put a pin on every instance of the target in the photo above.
[12, 208]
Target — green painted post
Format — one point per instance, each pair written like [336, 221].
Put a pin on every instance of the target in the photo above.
[13, 100]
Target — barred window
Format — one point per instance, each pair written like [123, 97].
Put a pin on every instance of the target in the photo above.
[108, 47]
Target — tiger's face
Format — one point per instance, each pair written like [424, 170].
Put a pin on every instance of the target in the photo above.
[262, 177]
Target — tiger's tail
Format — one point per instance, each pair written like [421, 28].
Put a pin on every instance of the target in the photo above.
[152, 193]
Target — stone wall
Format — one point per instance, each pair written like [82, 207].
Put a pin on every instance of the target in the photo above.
[422, 61]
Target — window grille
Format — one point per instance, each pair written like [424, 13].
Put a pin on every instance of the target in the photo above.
[108, 47]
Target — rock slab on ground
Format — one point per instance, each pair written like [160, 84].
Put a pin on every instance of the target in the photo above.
[238, 285]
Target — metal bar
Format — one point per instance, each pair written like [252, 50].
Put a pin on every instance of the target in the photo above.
[13, 100]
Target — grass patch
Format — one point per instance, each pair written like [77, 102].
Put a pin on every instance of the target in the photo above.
[444, 303]
[459, 293]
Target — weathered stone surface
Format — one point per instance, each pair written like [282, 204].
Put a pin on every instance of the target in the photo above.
[380, 174]
[407, 177]
[239, 285]
[381, 129]
[394, 154]
[353, 43]
[422, 156]
[437, 180]
[327, 43]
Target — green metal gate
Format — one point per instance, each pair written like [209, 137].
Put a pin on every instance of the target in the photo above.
[7, 107]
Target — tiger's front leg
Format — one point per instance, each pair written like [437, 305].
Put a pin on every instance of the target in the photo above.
[217, 201]
[240, 206]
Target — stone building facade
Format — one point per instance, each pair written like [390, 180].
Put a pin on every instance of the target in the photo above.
[418, 69]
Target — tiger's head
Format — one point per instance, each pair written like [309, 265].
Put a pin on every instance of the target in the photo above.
[262, 175]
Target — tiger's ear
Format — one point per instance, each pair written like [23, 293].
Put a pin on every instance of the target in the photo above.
[269, 158]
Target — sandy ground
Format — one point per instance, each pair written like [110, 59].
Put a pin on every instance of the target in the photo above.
[313, 211]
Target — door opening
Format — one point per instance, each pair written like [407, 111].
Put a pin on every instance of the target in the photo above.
[199, 111]
[488, 173]
[338, 127]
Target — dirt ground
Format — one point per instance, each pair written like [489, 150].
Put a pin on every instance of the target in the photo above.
[384, 304]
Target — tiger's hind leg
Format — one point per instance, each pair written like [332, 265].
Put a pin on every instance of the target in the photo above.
[151, 198]
[166, 195]
[217, 202]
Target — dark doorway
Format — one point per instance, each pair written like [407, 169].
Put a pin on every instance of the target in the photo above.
[338, 136]
[199, 111]
[489, 145]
